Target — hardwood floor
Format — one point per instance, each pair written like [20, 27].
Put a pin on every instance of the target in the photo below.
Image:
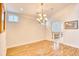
[42, 48]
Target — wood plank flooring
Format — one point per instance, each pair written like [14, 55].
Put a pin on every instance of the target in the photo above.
[42, 48]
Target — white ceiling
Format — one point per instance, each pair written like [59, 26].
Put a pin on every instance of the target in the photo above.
[50, 9]
[33, 8]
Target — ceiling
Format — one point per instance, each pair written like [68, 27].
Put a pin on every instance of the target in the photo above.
[33, 8]
[50, 9]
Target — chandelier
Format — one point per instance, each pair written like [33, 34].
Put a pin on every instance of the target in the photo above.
[41, 16]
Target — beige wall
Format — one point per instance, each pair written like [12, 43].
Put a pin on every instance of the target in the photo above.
[2, 44]
[27, 30]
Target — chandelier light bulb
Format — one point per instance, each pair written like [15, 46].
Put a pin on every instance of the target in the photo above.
[38, 19]
[44, 15]
[41, 18]
[46, 19]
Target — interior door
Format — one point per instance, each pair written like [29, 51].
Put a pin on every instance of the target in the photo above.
[2, 18]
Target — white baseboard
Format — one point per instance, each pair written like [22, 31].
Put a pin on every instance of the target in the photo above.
[41, 40]
[75, 46]
[25, 43]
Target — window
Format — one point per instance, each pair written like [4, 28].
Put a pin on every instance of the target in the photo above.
[13, 18]
[56, 27]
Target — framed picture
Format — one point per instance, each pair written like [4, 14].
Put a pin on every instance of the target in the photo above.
[71, 24]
